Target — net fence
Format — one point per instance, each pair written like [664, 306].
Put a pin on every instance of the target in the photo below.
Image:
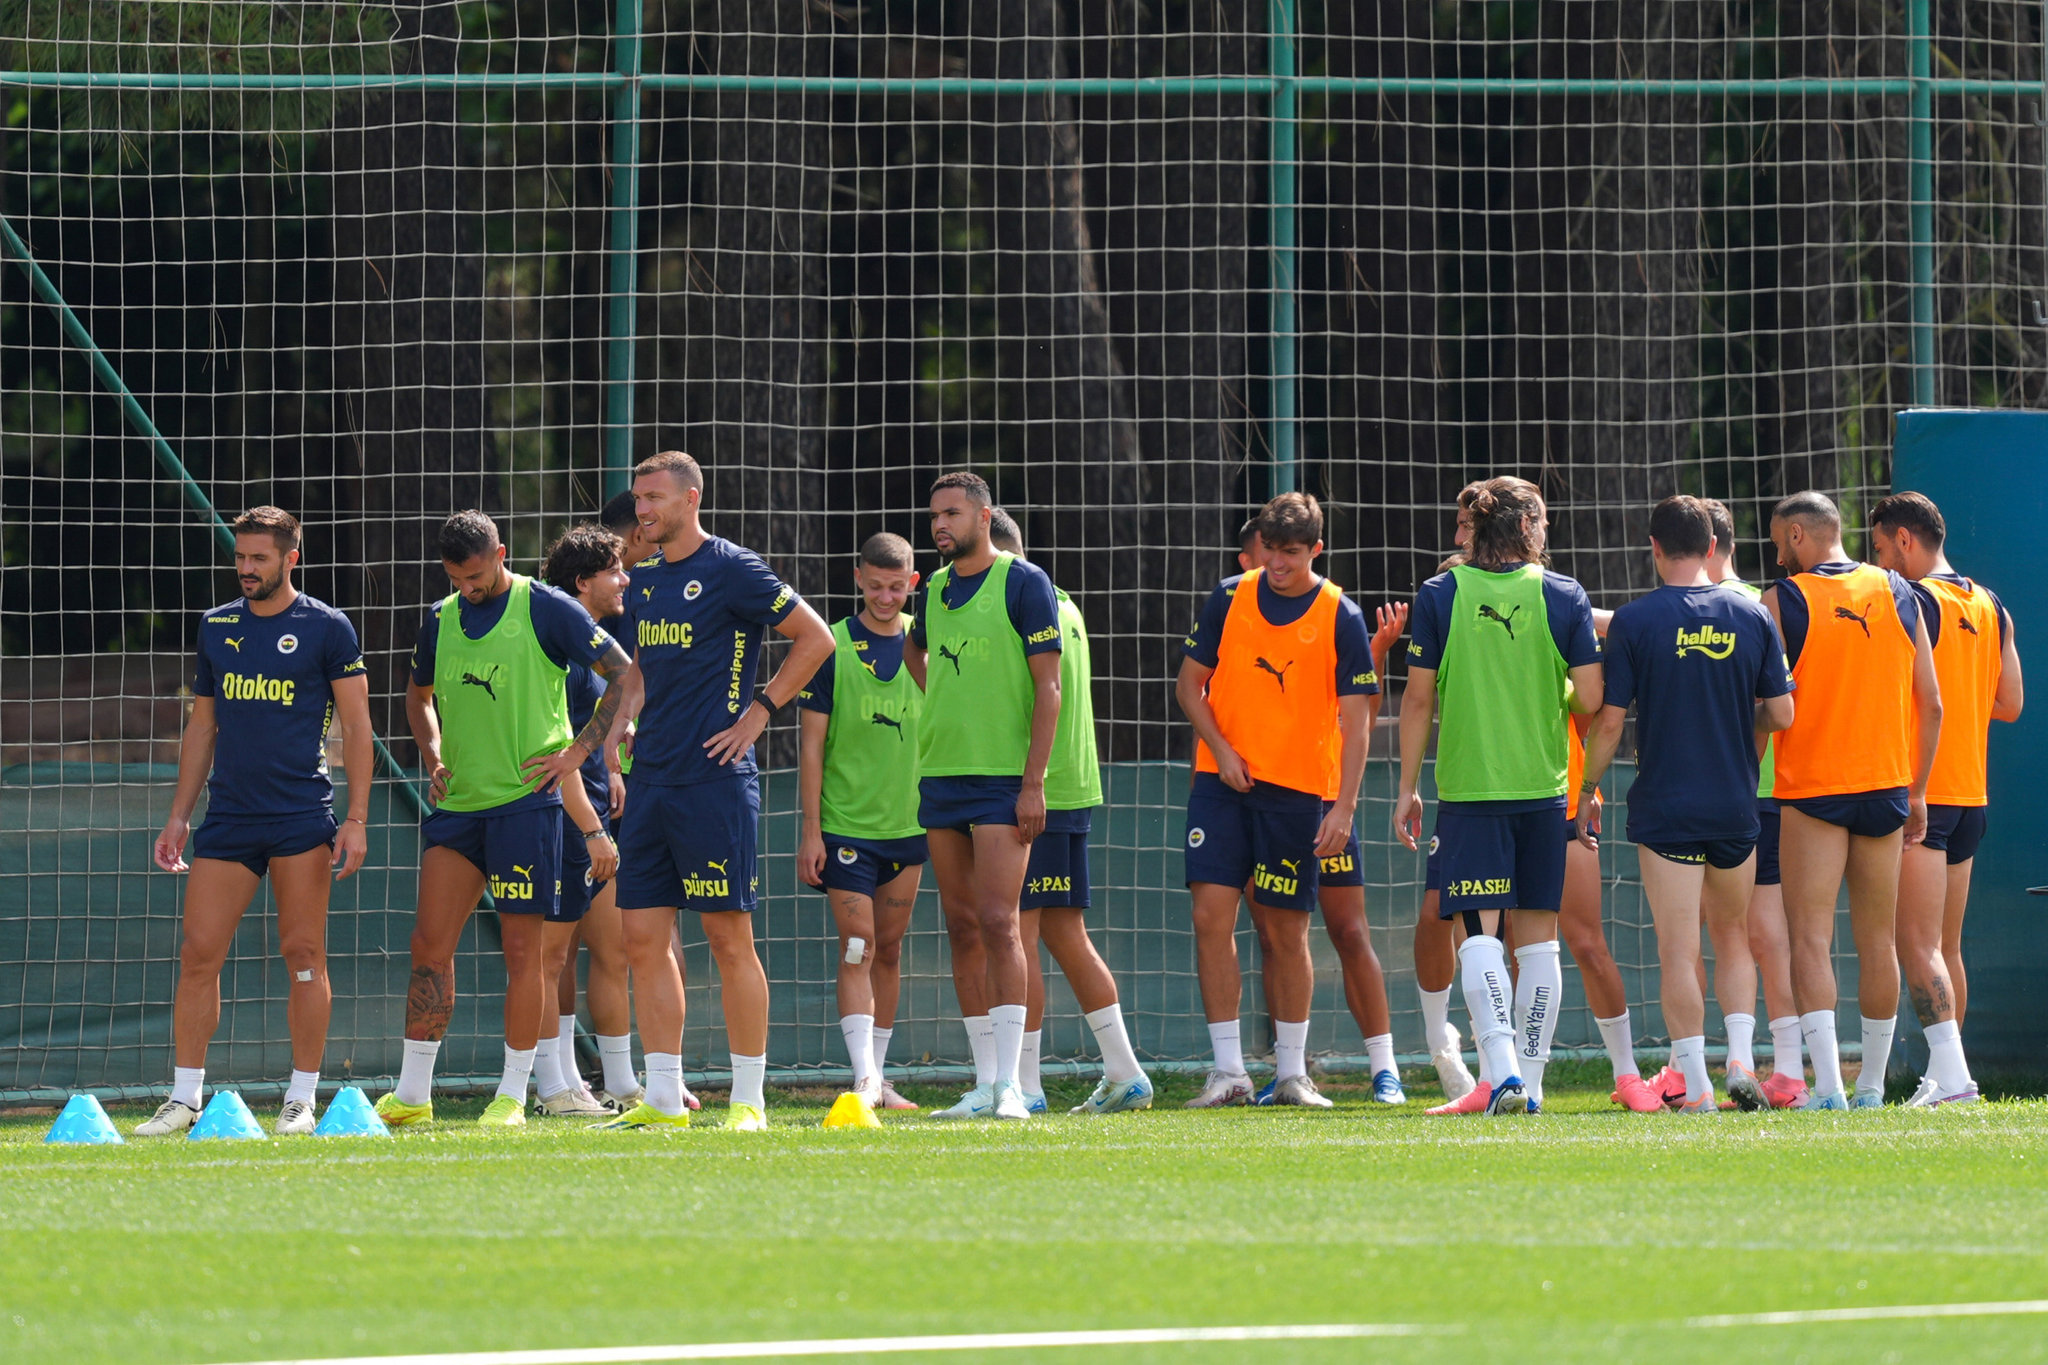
[1140, 264]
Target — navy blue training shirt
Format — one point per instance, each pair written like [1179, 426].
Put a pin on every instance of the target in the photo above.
[1355, 674]
[1028, 594]
[698, 626]
[585, 688]
[883, 655]
[1694, 661]
[271, 679]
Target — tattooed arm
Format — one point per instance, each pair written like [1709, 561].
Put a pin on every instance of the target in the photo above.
[549, 769]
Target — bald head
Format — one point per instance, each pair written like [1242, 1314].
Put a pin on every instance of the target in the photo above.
[1807, 529]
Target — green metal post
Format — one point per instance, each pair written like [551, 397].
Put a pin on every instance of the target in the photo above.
[1283, 196]
[1920, 180]
[138, 418]
[622, 323]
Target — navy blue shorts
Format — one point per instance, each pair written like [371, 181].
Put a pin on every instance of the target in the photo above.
[579, 888]
[1433, 870]
[692, 847]
[1342, 869]
[253, 843]
[1495, 861]
[862, 865]
[961, 803]
[1956, 831]
[1056, 878]
[1866, 815]
[1266, 836]
[1721, 853]
[518, 851]
[1767, 873]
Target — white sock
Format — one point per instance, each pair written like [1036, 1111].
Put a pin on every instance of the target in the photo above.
[1689, 1055]
[981, 1039]
[1008, 1023]
[1485, 1062]
[1119, 1061]
[882, 1037]
[1483, 968]
[1228, 1047]
[1290, 1048]
[306, 1085]
[859, 1032]
[1945, 1062]
[1877, 1053]
[547, 1068]
[1436, 1019]
[1818, 1031]
[1620, 1041]
[1538, 988]
[186, 1082]
[664, 1082]
[416, 1072]
[617, 1055]
[749, 1078]
[1379, 1054]
[1786, 1045]
[1741, 1040]
[565, 1050]
[518, 1069]
[1028, 1079]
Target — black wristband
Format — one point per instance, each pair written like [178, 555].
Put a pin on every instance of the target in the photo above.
[767, 703]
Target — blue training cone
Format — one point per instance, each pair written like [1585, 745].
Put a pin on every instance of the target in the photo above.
[349, 1115]
[83, 1121]
[226, 1116]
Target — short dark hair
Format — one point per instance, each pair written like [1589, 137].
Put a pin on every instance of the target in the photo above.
[886, 550]
[280, 525]
[1810, 507]
[1682, 527]
[618, 515]
[1291, 519]
[1723, 521]
[584, 549]
[967, 481]
[1248, 532]
[1501, 509]
[1913, 512]
[1003, 532]
[687, 472]
[466, 535]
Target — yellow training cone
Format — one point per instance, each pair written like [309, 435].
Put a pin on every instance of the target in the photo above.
[849, 1111]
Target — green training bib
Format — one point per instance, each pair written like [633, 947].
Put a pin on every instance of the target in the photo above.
[1501, 692]
[501, 701]
[871, 744]
[978, 693]
[1073, 775]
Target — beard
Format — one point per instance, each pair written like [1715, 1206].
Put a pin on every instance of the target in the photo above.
[265, 589]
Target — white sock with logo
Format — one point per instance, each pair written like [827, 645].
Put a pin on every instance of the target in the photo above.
[565, 1050]
[1379, 1054]
[859, 1032]
[1483, 969]
[617, 1056]
[187, 1085]
[416, 1071]
[1008, 1023]
[518, 1069]
[1619, 1039]
[1689, 1056]
[547, 1068]
[664, 1082]
[1028, 1079]
[1787, 1048]
[1877, 1053]
[305, 1086]
[1290, 1048]
[1538, 988]
[749, 1080]
[1436, 1018]
[1817, 1027]
[981, 1039]
[1227, 1046]
[1945, 1061]
[1741, 1040]
[882, 1037]
[1119, 1061]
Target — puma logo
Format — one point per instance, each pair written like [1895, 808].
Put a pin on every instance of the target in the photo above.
[720, 866]
[1265, 665]
[1844, 614]
[1964, 622]
[1506, 623]
[879, 719]
[1292, 865]
[950, 657]
[472, 680]
[236, 643]
[526, 872]
[646, 594]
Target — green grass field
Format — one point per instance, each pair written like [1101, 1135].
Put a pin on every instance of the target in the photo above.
[1584, 1234]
